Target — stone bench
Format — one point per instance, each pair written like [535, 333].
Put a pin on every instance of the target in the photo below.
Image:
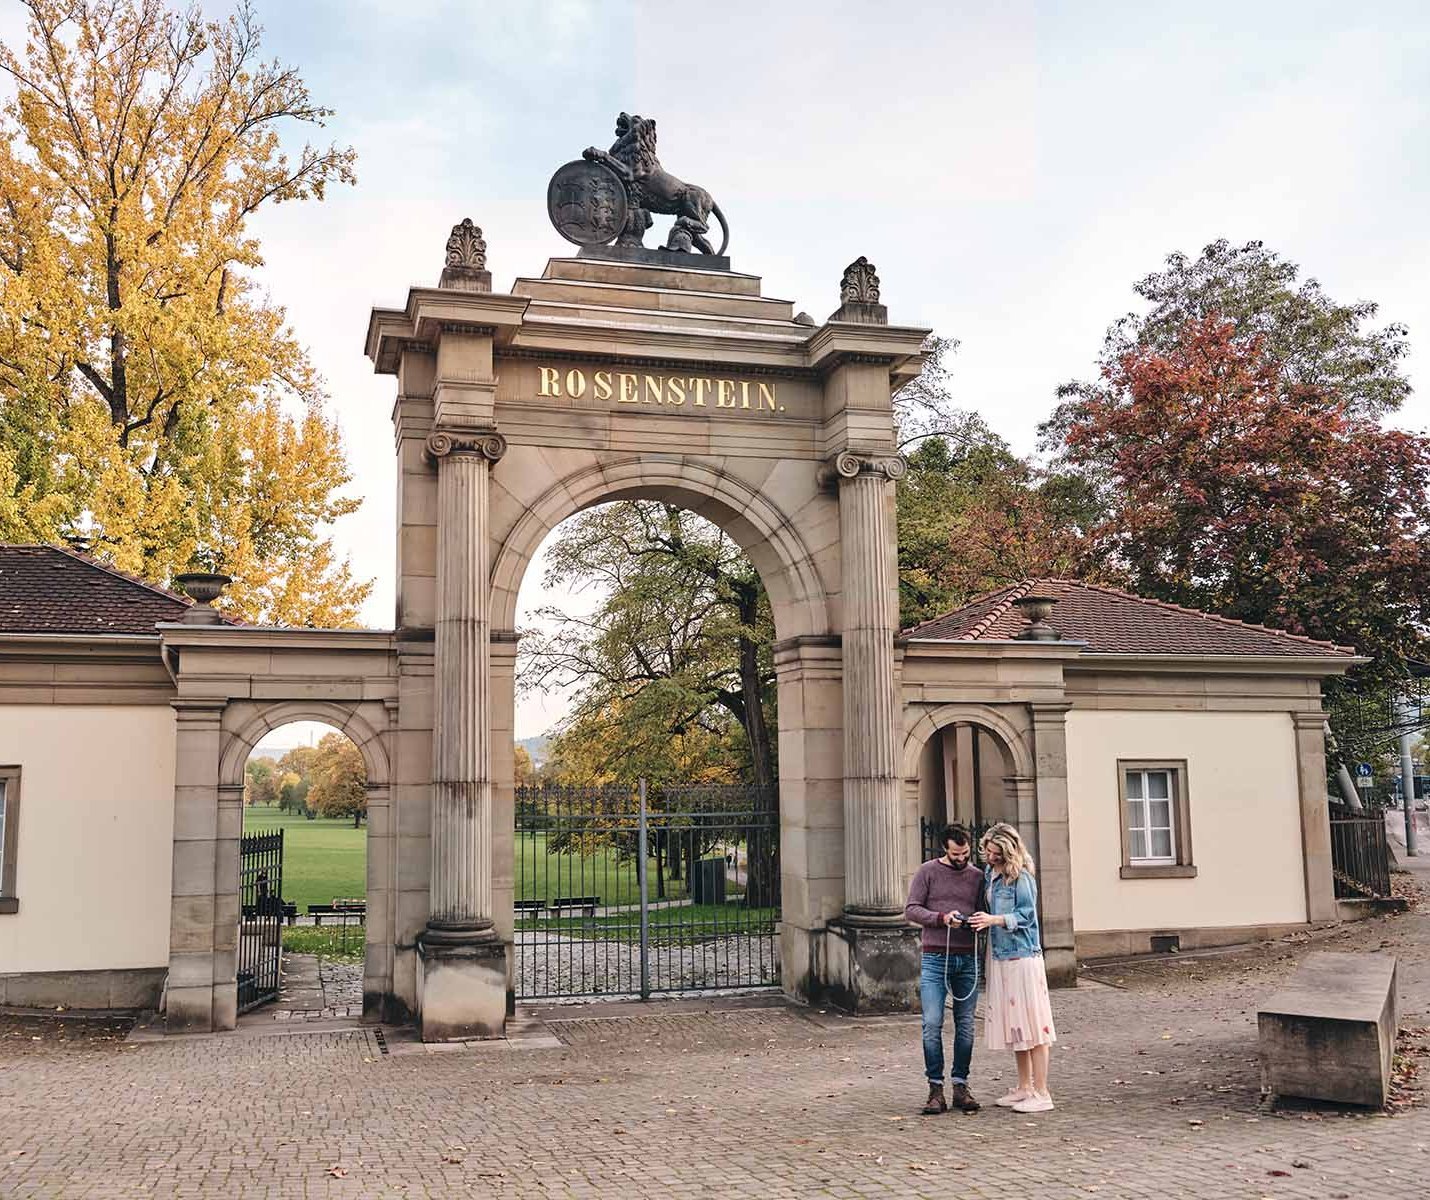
[1330, 1033]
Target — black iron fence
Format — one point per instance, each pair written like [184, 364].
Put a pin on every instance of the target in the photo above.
[639, 889]
[1360, 855]
[260, 929]
[931, 834]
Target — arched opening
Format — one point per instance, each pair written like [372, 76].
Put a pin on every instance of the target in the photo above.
[646, 812]
[967, 764]
[307, 780]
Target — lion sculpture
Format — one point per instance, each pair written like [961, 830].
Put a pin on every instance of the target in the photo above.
[653, 189]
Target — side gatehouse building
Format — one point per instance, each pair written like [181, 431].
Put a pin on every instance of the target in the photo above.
[1155, 758]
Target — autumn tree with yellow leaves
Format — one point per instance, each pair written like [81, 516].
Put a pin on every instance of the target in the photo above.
[151, 397]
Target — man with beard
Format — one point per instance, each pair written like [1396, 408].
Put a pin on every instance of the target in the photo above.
[944, 893]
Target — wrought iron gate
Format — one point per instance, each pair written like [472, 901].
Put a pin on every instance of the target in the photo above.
[260, 928]
[635, 890]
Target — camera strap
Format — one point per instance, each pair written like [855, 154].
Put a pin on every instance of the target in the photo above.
[948, 986]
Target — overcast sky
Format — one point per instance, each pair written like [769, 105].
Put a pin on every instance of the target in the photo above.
[1010, 167]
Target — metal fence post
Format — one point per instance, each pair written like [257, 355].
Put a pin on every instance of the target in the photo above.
[641, 854]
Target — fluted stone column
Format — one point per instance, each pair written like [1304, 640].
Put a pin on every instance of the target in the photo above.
[873, 891]
[871, 955]
[464, 971]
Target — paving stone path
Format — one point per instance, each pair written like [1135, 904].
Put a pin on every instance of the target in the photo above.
[314, 989]
[1155, 1077]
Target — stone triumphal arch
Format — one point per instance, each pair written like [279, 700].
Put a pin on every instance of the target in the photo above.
[628, 373]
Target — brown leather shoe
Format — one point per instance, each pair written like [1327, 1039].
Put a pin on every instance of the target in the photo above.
[935, 1104]
[962, 1099]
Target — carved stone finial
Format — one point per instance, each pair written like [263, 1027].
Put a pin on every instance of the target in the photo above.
[860, 284]
[466, 267]
[859, 295]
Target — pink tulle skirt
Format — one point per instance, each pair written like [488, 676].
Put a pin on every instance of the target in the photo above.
[1017, 1014]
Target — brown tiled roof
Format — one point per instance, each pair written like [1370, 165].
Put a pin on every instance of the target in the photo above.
[1111, 621]
[52, 589]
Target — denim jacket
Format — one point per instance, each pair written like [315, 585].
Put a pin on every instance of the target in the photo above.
[1017, 904]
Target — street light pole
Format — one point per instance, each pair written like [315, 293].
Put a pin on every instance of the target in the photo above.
[1407, 777]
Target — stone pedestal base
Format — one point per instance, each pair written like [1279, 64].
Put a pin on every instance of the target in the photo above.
[866, 968]
[1061, 967]
[461, 991]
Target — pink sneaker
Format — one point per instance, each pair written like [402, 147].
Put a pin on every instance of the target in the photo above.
[1035, 1104]
[1016, 1096]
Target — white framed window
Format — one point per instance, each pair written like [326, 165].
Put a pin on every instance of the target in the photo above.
[1156, 826]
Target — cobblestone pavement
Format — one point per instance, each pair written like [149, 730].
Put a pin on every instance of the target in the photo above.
[314, 989]
[1155, 1078]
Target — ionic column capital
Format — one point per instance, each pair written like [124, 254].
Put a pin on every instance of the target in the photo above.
[488, 443]
[847, 465]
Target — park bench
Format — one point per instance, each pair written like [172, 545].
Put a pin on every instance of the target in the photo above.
[1329, 1034]
[286, 908]
[586, 904]
[528, 907]
[344, 909]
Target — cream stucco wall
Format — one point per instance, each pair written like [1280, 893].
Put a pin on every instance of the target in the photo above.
[96, 824]
[1245, 820]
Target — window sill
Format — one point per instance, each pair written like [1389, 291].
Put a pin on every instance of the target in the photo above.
[1160, 871]
[9, 904]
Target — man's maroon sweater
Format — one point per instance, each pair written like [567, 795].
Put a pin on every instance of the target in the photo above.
[937, 889]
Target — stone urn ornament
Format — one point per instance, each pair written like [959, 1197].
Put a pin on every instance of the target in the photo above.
[203, 588]
[1036, 610]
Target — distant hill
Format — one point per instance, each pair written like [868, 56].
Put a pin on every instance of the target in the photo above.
[536, 747]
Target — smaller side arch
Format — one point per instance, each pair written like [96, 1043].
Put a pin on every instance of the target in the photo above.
[1011, 723]
[349, 719]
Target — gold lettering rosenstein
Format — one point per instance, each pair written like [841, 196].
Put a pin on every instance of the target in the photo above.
[670, 391]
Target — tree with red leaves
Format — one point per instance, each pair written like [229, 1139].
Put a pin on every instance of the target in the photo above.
[1235, 441]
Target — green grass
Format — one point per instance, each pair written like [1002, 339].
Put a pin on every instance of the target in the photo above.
[337, 944]
[666, 924]
[322, 859]
[542, 876]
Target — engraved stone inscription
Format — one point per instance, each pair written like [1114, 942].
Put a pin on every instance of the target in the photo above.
[668, 390]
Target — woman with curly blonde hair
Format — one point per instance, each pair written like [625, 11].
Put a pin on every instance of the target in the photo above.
[1018, 1015]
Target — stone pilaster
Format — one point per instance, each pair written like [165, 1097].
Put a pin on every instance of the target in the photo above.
[1315, 815]
[463, 985]
[200, 995]
[1050, 844]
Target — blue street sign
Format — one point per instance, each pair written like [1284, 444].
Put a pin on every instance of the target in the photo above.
[1364, 770]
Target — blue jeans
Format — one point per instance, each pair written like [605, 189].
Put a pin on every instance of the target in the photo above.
[961, 970]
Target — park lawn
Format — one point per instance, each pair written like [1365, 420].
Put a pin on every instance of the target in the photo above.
[603, 873]
[339, 943]
[676, 924]
[323, 859]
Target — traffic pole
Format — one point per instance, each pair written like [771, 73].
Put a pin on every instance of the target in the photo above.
[1407, 778]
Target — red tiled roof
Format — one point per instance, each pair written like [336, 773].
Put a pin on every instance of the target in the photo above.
[1111, 621]
[52, 589]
